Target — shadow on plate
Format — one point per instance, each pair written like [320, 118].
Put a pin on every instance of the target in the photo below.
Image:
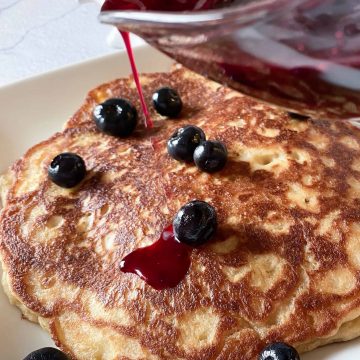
[337, 351]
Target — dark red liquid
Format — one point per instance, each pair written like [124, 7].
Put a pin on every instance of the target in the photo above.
[303, 55]
[114, 5]
[161, 5]
[173, 5]
[163, 264]
[126, 37]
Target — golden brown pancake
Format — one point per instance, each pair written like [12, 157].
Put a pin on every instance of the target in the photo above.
[283, 266]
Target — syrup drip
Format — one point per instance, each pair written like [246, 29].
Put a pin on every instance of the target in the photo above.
[115, 5]
[163, 264]
[126, 37]
[153, 5]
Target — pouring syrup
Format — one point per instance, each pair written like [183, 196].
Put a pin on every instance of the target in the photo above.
[176, 5]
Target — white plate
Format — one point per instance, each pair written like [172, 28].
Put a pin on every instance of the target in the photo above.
[34, 109]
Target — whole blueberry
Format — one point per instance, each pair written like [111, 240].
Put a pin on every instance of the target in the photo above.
[116, 117]
[167, 102]
[279, 351]
[297, 116]
[47, 353]
[210, 156]
[195, 223]
[184, 141]
[67, 170]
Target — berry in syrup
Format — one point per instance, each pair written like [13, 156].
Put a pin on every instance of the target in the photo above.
[166, 262]
[297, 116]
[163, 264]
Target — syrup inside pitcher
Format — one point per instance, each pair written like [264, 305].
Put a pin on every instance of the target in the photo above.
[303, 55]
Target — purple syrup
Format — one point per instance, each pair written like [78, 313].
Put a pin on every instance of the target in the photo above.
[175, 5]
[163, 264]
[126, 37]
[161, 5]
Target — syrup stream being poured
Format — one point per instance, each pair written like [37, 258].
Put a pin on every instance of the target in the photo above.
[163, 264]
[173, 5]
[126, 37]
[116, 5]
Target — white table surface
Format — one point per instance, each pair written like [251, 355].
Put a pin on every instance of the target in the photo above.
[37, 36]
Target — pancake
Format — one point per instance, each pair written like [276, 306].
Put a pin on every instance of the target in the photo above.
[283, 266]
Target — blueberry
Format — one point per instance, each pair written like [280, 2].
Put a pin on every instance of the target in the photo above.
[67, 170]
[116, 117]
[210, 156]
[279, 351]
[167, 102]
[47, 353]
[195, 223]
[184, 141]
[297, 116]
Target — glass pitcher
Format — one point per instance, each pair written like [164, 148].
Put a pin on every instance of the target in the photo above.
[303, 55]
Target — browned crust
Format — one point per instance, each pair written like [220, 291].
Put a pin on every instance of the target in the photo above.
[248, 316]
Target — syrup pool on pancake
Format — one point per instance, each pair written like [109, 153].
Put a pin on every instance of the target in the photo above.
[166, 262]
[161, 265]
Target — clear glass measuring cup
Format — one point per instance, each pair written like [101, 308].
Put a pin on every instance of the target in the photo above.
[303, 55]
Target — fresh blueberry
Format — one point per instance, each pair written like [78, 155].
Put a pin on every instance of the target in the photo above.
[184, 141]
[67, 170]
[210, 156]
[297, 116]
[279, 351]
[167, 102]
[116, 117]
[47, 353]
[195, 223]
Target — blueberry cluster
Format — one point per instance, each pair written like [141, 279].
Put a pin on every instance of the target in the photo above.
[118, 117]
[189, 144]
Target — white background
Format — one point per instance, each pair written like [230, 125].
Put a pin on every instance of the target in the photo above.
[41, 35]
